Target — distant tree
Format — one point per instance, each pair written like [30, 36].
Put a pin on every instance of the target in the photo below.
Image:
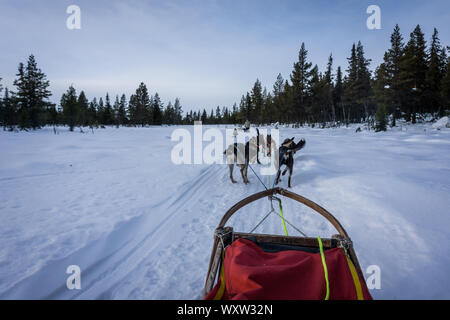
[83, 105]
[300, 78]
[436, 71]
[381, 118]
[139, 106]
[257, 102]
[413, 74]
[337, 94]
[101, 112]
[392, 89]
[116, 107]
[92, 113]
[108, 114]
[157, 110]
[445, 91]
[70, 107]
[178, 110]
[328, 90]
[9, 111]
[122, 112]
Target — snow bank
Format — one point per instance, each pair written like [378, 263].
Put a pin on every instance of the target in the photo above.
[441, 123]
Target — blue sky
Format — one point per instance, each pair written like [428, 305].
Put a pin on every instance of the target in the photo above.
[207, 53]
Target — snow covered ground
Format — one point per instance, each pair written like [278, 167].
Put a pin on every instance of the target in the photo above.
[141, 227]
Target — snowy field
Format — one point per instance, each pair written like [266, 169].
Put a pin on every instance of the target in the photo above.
[141, 227]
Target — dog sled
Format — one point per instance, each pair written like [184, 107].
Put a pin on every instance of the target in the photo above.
[273, 267]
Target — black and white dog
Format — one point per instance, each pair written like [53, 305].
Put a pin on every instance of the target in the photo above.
[286, 157]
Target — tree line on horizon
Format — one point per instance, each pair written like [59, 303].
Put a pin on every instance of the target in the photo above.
[413, 79]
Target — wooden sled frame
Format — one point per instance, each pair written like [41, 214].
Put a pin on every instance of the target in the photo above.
[224, 234]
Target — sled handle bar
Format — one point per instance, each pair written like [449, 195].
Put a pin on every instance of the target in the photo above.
[271, 192]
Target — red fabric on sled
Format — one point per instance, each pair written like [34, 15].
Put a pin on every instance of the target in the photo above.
[252, 274]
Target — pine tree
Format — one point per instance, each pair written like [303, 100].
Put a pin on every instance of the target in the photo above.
[445, 91]
[363, 85]
[329, 89]
[257, 102]
[70, 107]
[337, 94]
[434, 74]
[139, 106]
[101, 111]
[92, 113]
[122, 113]
[157, 108]
[392, 82]
[381, 118]
[300, 78]
[413, 74]
[32, 94]
[108, 115]
[178, 111]
[116, 108]
[83, 105]
[350, 82]
[9, 111]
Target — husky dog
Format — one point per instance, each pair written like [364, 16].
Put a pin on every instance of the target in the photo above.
[286, 157]
[243, 155]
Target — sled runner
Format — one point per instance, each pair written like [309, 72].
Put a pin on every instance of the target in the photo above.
[261, 266]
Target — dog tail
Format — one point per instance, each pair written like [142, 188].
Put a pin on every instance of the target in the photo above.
[300, 145]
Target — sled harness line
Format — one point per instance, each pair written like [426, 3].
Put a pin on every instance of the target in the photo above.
[272, 210]
[325, 269]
